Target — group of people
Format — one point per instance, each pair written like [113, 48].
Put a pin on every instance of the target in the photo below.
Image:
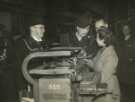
[112, 55]
[98, 45]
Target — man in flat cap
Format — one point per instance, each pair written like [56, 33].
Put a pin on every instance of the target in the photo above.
[31, 42]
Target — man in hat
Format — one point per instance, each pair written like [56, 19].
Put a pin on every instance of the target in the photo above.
[82, 35]
[32, 42]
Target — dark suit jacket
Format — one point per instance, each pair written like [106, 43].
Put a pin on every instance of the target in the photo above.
[24, 47]
[88, 42]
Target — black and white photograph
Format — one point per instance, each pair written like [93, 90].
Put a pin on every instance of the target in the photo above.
[67, 51]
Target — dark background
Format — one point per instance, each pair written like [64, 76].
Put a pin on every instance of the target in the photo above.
[59, 15]
[15, 14]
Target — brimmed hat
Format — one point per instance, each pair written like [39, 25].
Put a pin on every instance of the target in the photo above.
[35, 21]
[84, 20]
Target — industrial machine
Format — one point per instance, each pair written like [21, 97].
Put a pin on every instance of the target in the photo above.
[58, 79]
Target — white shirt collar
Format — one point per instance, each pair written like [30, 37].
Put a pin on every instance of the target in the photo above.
[36, 39]
[78, 36]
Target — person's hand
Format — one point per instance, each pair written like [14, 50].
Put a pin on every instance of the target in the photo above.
[89, 62]
[82, 53]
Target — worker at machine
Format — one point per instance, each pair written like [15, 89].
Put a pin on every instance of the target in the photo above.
[106, 62]
[82, 35]
[32, 42]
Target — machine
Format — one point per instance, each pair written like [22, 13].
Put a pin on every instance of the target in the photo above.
[58, 79]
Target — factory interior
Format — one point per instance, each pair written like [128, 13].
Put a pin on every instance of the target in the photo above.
[59, 18]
